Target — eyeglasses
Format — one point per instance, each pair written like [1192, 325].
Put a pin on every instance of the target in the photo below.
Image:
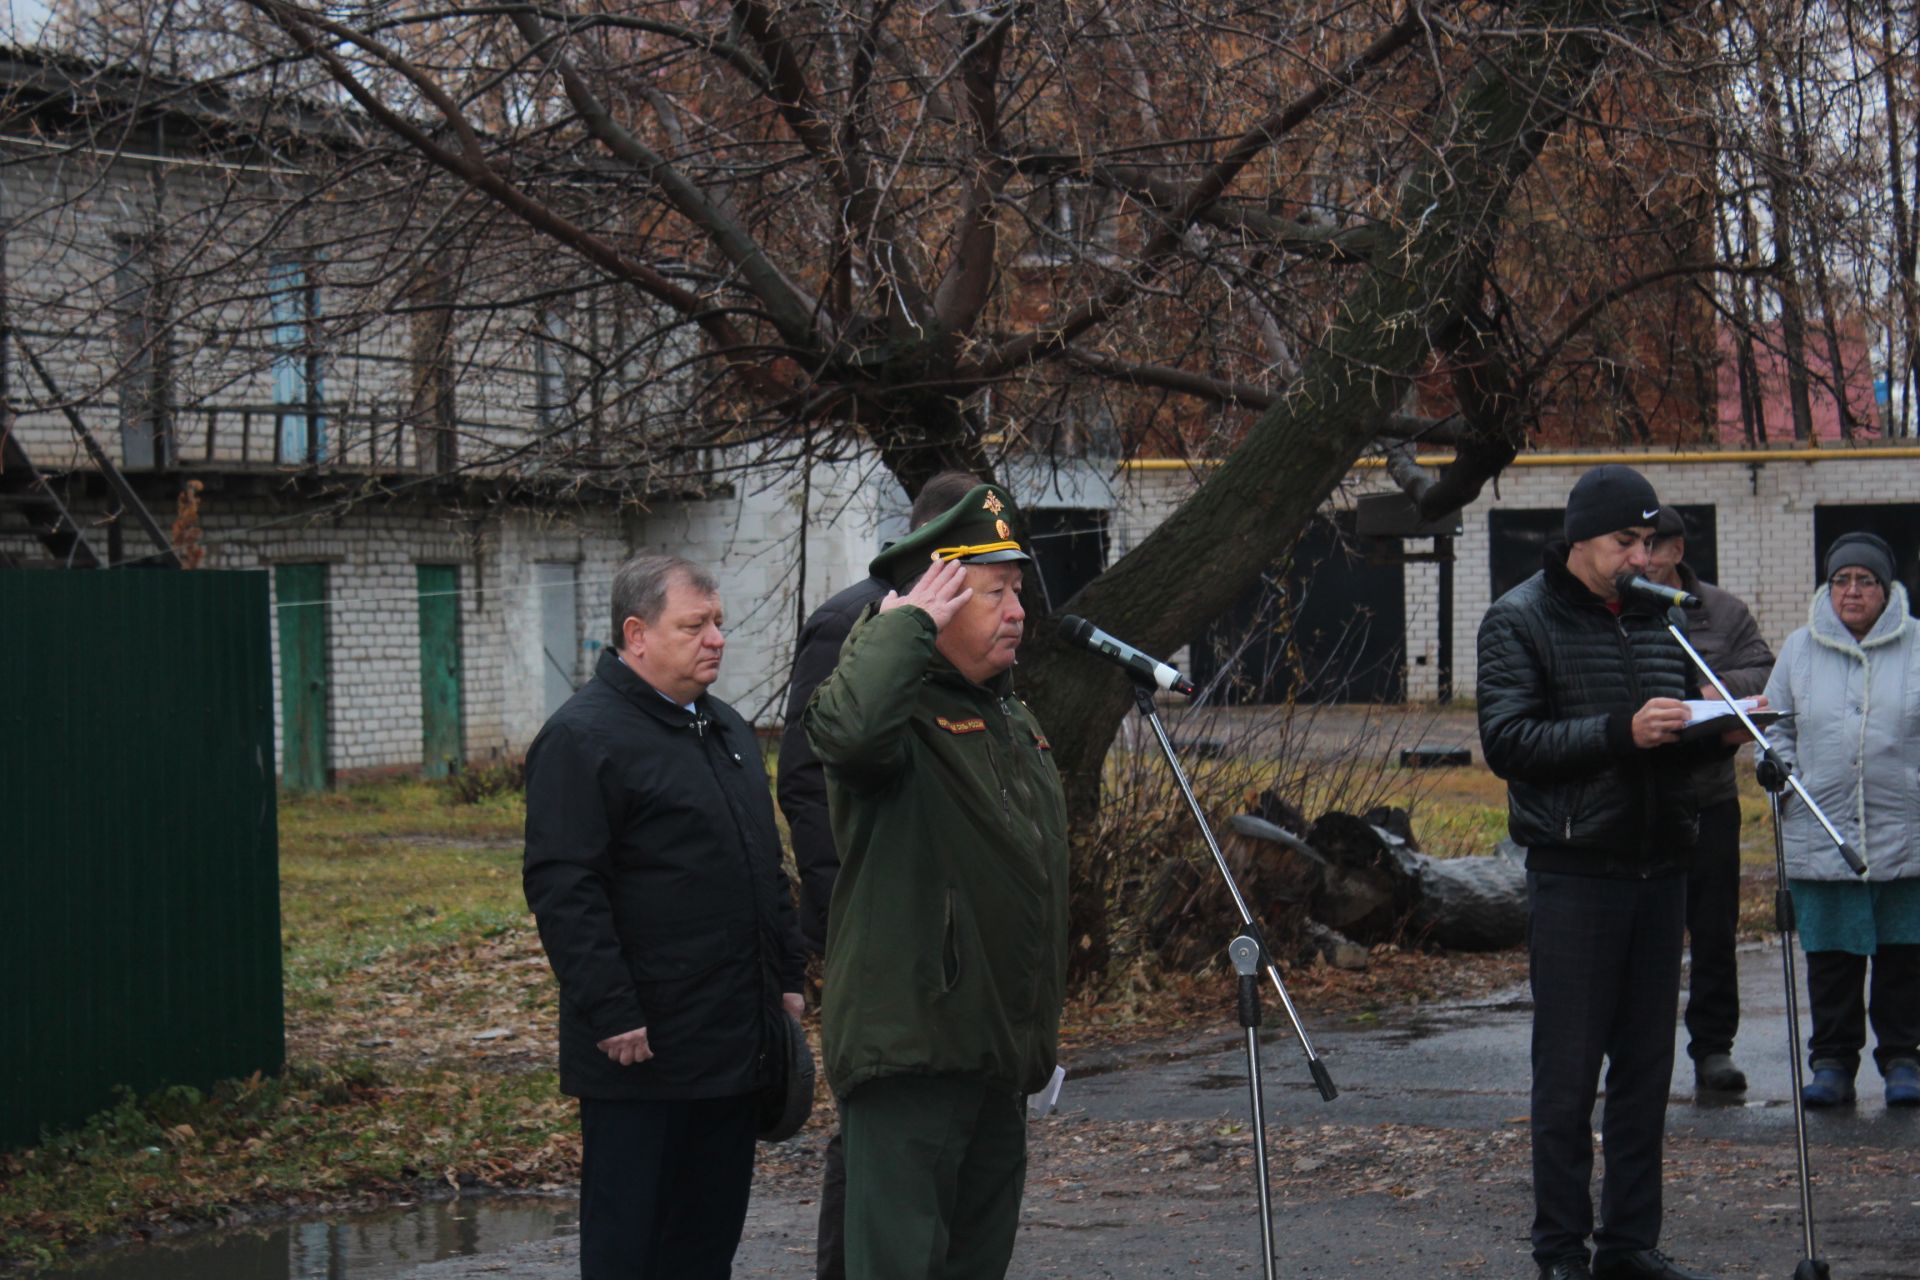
[1853, 582]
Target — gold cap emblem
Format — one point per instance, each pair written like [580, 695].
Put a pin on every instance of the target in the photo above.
[1000, 527]
[994, 505]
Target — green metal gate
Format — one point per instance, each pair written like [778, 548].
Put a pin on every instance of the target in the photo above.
[301, 591]
[139, 879]
[441, 743]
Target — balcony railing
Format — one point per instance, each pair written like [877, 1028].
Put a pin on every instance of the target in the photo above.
[359, 439]
[333, 436]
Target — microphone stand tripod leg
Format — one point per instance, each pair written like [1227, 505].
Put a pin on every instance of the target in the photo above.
[1811, 1266]
[1776, 778]
[1246, 954]
[1143, 701]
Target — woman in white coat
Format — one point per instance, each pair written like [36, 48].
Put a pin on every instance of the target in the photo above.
[1849, 682]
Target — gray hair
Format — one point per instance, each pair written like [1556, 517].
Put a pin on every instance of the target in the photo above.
[640, 589]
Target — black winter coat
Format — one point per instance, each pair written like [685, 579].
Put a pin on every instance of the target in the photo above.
[803, 782]
[653, 869]
[1560, 677]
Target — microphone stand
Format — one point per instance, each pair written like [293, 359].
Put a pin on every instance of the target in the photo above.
[1249, 954]
[1775, 777]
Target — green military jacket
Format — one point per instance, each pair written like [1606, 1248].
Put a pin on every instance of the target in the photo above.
[947, 934]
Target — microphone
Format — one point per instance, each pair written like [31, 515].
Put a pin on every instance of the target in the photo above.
[1632, 584]
[1141, 666]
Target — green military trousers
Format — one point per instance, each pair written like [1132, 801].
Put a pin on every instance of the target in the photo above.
[935, 1168]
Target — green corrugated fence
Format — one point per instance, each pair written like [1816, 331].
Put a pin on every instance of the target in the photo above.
[139, 876]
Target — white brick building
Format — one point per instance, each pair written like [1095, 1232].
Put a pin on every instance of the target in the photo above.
[1768, 512]
[416, 480]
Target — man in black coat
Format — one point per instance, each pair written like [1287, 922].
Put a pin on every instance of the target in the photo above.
[1581, 707]
[653, 870]
[803, 799]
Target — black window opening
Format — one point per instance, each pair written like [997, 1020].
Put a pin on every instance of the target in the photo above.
[1069, 550]
[1516, 538]
[1897, 522]
[1328, 625]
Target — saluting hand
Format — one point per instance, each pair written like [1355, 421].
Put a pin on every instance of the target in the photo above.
[941, 591]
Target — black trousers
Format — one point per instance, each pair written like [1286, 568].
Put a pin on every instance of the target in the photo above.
[1836, 990]
[663, 1187]
[1713, 913]
[1604, 959]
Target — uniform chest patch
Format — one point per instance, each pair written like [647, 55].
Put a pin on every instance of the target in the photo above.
[975, 725]
[1040, 741]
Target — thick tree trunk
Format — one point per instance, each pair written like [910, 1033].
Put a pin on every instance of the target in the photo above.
[1191, 568]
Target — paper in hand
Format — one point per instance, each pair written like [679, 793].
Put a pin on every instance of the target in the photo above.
[1709, 716]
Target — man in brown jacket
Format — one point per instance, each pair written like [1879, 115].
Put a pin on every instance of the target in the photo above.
[1724, 632]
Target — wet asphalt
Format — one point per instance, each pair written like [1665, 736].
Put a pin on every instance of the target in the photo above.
[1447, 1083]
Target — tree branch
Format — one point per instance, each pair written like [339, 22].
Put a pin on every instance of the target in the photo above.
[1048, 339]
[1222, 391]
[968, 282]
[785, 305]
[1626, 288]
[792, 96]
[469, 164]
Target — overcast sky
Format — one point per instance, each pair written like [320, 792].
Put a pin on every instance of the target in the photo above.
[23, 19]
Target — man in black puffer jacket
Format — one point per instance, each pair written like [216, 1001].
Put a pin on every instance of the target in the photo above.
[653, 870]
[1581, 705]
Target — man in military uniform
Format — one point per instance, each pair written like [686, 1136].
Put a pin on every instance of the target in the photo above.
[803, 799]
[947, 937]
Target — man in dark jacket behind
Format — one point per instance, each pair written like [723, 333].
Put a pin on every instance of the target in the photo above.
[947, 940]
[1581, 706]
[1724, 632]
[653, 870]
[803, 799]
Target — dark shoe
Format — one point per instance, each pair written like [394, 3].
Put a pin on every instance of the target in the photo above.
[1574, 1268]
[1642, 1264]
[1903, 1082]
[1716, 1073]
[1831, 1086]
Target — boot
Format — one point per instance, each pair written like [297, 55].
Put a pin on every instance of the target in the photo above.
[1903, 1082]
[1715, 1073]
[1571, 1268]
[1642, 1264]
[1831, 1086]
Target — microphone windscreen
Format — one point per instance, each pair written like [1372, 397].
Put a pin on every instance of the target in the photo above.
[1075, 627]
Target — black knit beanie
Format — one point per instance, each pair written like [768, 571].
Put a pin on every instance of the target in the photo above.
[1609, 498]
[1861, 551]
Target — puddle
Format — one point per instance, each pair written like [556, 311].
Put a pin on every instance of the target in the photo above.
[368, 1246]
